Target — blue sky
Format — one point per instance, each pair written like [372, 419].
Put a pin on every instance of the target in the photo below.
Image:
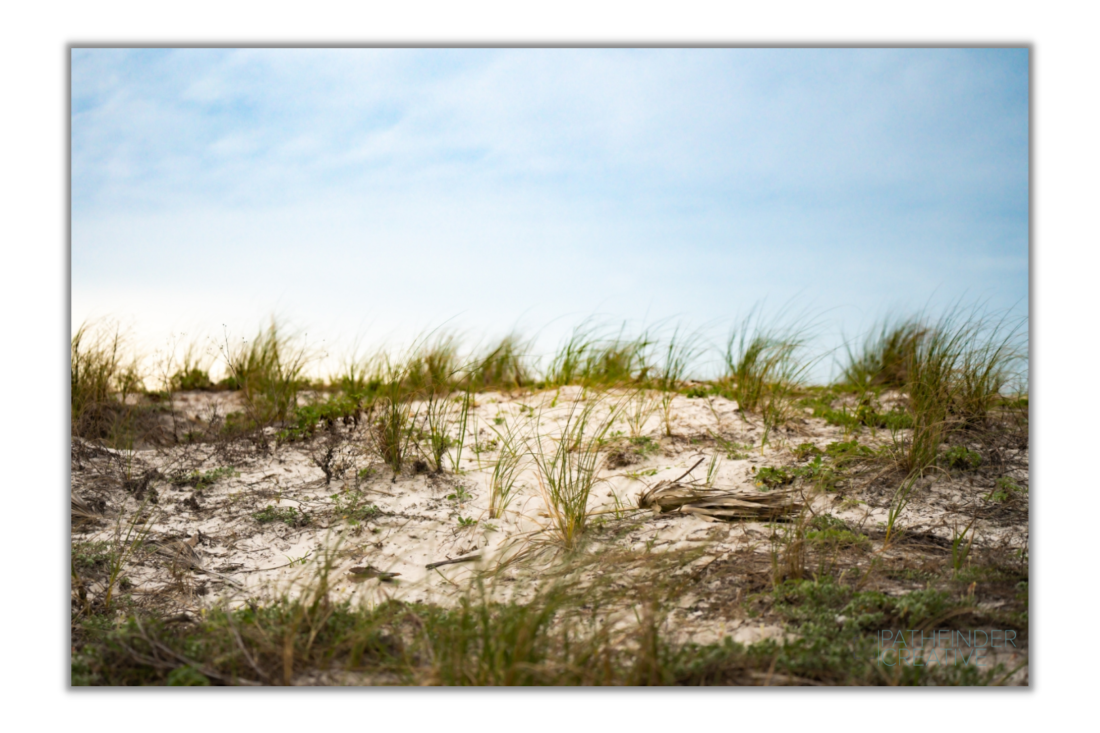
[378, 193]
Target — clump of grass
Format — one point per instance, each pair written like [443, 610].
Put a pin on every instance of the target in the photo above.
[503, 366]
[566, 471]
[269, 372]
[435, 369]
[988, 365]
[101, 381]
[392, 431]
[432, 368]
[641, 406]
[764, 369]
[567, 365]
[359, 378]
[677, 357]
[590, 359]
[506, 470]
[191, 372]
[955, 375]
[885, 355]
[618, 362]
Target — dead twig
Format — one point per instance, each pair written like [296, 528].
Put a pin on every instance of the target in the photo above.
[441, 563]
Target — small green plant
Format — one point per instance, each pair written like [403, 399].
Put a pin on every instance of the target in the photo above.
[466, 522]
[460, 495]
[961, 458]
[190, 380]
[770, 478]
[488, 446]
[1005, 489]
[645, 446]
[802, 451]
[867, 414]
[431, 375]
[297, 561]
[830, 533]
[359, 378]
[433, 365]
[591, 359]
[306, 419]
[353, 506]
[91, 555]
[125, 544]
[204, 479]
[733, 451]
[290, 516]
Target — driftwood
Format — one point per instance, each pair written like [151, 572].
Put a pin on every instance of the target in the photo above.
[692, 497]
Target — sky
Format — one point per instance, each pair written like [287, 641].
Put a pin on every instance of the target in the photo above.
[370, 195]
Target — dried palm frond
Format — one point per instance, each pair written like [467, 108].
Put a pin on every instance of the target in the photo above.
[667, 496]
[182, 553]
[184, 556]
[83, 510]
[694, 498]
[369, 571]
[744, 505]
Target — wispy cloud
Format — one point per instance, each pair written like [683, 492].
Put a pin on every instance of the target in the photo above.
[415, 184]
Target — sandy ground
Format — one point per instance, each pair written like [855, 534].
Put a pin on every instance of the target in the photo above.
[425, 518]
